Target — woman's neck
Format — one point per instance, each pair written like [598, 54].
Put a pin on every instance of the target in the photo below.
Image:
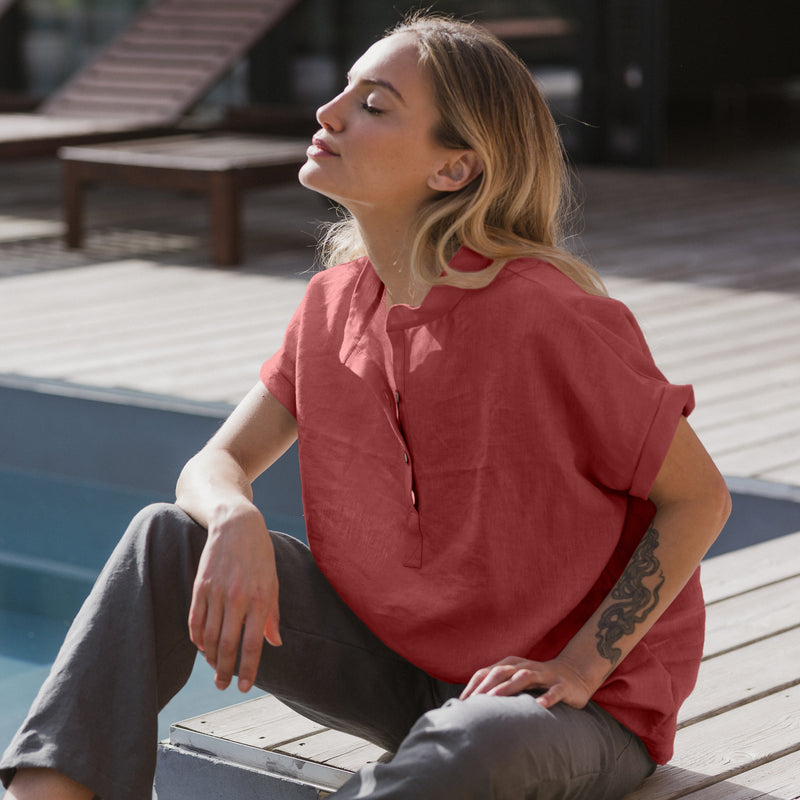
[389, 255]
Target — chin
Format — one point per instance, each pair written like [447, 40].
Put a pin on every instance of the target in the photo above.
[310, 178]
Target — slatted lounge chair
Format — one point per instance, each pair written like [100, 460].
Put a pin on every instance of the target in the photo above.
[150, 75]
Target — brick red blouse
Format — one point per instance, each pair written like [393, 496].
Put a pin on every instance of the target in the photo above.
[475, 471]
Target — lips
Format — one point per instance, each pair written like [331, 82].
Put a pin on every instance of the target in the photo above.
[320, 148]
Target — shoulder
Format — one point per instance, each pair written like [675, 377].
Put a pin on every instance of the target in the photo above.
[539, 292]
[532, 281]
[338, 279]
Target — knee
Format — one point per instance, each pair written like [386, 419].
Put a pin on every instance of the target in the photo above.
[162, 530]
[160, 516]
[465, 746]
[481, 747]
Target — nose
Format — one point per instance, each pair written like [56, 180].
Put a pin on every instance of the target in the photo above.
[329, 116]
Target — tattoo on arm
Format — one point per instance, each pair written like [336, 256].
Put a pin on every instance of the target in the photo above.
[636, 600]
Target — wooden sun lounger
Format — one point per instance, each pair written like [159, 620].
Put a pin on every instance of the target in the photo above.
[150, 75]
[738, 738]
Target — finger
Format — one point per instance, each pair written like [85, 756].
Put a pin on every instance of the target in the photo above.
[228, 647]
[250, 653]
[521, 680]
[474, 682]
[496, 676]
[211, 630]
[555, 694]
[197, 620]
[271, 630]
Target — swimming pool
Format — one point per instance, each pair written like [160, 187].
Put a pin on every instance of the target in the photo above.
[77, 463]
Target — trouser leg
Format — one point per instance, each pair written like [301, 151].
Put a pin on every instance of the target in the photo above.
[126, 654]
[332, 668]
[508, 748]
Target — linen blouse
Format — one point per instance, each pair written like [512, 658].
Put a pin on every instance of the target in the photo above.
[475, 471]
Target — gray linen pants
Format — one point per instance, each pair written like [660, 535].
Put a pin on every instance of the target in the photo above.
[128, 652]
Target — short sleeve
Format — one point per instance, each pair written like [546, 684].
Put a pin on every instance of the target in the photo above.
[621, 410]
[279, 372]
[316, 327]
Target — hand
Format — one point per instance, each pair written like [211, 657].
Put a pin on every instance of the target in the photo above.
[236, 588]
[561, 682]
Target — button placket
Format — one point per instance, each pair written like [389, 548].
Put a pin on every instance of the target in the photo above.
[413, 544]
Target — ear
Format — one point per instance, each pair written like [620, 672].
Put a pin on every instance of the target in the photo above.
[459, 170]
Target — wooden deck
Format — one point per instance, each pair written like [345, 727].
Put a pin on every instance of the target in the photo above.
[739, 732]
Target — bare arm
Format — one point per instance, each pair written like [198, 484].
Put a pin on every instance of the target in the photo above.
[235, 597]
[692, 505]
[256, 434]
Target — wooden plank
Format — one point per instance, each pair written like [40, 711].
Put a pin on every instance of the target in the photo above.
[775, 780]
[751, 616]
[761, 457]
[783, 473]
[335, 748]
[750, 383]
[743, 675]
[194, 152]
[715, 353]
[264, 722]
[716, 417]
[749, 432]
[686, 324]
[782, 348]
[725, 746]
[741, 571]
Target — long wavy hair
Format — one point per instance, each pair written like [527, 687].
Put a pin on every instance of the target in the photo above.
[518, 205]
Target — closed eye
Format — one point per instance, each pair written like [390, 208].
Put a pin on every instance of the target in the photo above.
[371, 109]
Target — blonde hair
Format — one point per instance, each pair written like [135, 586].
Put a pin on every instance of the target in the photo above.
[517, 206]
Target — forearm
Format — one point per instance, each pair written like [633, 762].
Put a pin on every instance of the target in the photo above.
[212, 484]
[660, 567]
[217, 481]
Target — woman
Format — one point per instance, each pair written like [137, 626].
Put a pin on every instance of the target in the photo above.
[506, 505]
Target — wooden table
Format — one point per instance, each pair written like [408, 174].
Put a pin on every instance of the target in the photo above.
[738, 737]
[220, 166]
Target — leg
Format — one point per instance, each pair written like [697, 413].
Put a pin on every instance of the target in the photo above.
[35, 784]
[509, 748]
[332, 668]
[73, 204]
[225, 218]
[126, 654]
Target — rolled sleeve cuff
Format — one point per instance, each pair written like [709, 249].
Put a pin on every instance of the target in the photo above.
[676, 401]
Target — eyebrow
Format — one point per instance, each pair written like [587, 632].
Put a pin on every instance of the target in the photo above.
[379, 82]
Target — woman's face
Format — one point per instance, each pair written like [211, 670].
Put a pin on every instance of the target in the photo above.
[376, 151]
